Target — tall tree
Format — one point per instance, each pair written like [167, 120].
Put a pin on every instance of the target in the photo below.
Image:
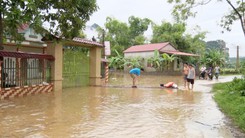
[122, 35]
[118, 34]
[184, 9]
[66, 17]
[137, 27]
[168, 32]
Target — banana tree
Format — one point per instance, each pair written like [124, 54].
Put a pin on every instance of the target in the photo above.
[117, 62]
[135, 62]
[168, 59]
[214, 58]
[156, 60]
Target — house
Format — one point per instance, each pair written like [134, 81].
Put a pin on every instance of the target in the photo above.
[38, 64]
[25, 68]
[147, 50]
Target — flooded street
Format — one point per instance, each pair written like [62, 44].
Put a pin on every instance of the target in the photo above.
[118, 111]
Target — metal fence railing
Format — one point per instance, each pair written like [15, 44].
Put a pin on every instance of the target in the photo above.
[25, 72]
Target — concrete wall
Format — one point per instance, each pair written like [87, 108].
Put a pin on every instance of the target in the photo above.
[146, 55]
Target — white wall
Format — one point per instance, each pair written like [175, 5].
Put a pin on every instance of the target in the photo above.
[144, 55]
[169, 48]
[139, 54]
[29, 32]
[147, 55]
[32, 39]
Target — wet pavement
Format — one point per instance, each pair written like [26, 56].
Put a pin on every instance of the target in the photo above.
[119, 111]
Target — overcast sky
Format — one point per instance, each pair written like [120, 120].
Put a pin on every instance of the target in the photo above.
[207, 18]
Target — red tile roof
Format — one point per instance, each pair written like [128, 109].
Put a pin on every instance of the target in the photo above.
[22, 28]
[84, 41]
[146, 47]
[26, 55]
[156, 46]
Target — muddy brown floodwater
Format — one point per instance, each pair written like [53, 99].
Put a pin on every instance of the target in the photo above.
[118, 111]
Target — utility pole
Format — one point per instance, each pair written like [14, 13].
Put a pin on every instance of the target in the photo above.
[237, 58]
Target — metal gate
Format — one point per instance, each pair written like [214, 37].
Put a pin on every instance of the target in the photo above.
[75, 67]
[28, 72]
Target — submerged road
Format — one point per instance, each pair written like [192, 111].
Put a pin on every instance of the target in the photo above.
[119, 111]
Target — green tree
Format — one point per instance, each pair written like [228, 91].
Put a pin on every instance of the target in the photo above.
[82, 34]
[121, 35]
[118, 34]
[167, 32]
[242, 67]
[66, 18]
[139, 40]
[184, 9]
[137, 27]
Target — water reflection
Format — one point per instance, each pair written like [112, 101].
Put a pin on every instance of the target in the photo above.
[148, 111]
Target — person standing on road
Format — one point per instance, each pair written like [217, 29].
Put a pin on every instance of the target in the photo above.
[191, 77]
[217, 71]
[135, 73]
[185, 73]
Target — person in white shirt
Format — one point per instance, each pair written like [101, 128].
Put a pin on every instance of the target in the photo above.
[217, 71]
[203, 72]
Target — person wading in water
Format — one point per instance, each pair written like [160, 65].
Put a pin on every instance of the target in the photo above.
[135, 73]
[191, 76]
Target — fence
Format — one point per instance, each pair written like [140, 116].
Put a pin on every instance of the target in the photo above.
[25, 72]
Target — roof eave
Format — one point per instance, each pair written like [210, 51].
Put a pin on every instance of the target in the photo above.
[138, 51]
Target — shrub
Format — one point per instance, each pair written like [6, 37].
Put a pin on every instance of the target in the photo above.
[237, 85]
[229, 71]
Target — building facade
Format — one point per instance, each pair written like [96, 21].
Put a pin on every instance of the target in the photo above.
[147, 51]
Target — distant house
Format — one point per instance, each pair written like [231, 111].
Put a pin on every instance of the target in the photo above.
[146, 51]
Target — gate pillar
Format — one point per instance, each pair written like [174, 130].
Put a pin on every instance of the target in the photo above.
[56, 49]
[95, 66]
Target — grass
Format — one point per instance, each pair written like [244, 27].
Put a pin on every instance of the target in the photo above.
[231, 102]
